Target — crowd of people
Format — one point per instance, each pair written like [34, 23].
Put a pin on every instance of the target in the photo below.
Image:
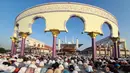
[61, 64]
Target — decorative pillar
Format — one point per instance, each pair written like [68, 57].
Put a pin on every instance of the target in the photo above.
[15, 49]
[59, 44]
[93, 36]
[111, 51]
[113, 55]
[125, 49]
[99, 51]
[55, 33]
[77, 43]
[37, 50]
[115, 50]
[105, 50]
[13, 45]
[23, 35]
[118, 45]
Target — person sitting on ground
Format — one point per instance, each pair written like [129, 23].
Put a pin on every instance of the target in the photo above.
[31, 67]
[76, 69]
[71, 68]
[43, 69]
[107, 70]
[40, 65]
[22, 70]
[51, 69]
[58, 68]
[89, 68]
[66, 68]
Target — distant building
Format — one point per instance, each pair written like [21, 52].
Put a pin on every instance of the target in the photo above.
[105, 46]
[69, 48]
[35, 46]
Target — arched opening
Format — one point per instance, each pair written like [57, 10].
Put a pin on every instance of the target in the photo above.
[104, 44]
[38, 34]
[106, 29]
[75, 26]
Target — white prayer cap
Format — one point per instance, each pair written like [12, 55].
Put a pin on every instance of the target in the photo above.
[45, 61]
[104, 60]
[72, 61]
[32, 66]
[58, 60]
[10, 68]
[22, 70]
[85, 65]
[65, 64]
[25, 62]
[41, 63]
[75, 64]
[50, 62]
[75, 71]
[66, 59]
[80, 63]
[27, 55]
[53, 61]
[37, 61]
[61, 67]
[114, 61]
[77, 68]
[62, 60]
[37, 70]
[19, 60]
[28, 62]
[75, 60]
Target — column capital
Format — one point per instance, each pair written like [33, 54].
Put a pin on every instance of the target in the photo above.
[23, 34]
[114, 39]
[93, 34]
[13, 39]
[55, 32]
[118, 43]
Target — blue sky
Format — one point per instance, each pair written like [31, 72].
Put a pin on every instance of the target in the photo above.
[11, 8]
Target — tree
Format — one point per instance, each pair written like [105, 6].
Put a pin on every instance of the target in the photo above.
[2, 50]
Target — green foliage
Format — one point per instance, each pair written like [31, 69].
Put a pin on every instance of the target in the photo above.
[2, 50]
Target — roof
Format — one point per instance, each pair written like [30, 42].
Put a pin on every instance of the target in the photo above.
[70, 45]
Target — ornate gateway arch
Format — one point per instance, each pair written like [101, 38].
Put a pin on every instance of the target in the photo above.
[58, 13]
